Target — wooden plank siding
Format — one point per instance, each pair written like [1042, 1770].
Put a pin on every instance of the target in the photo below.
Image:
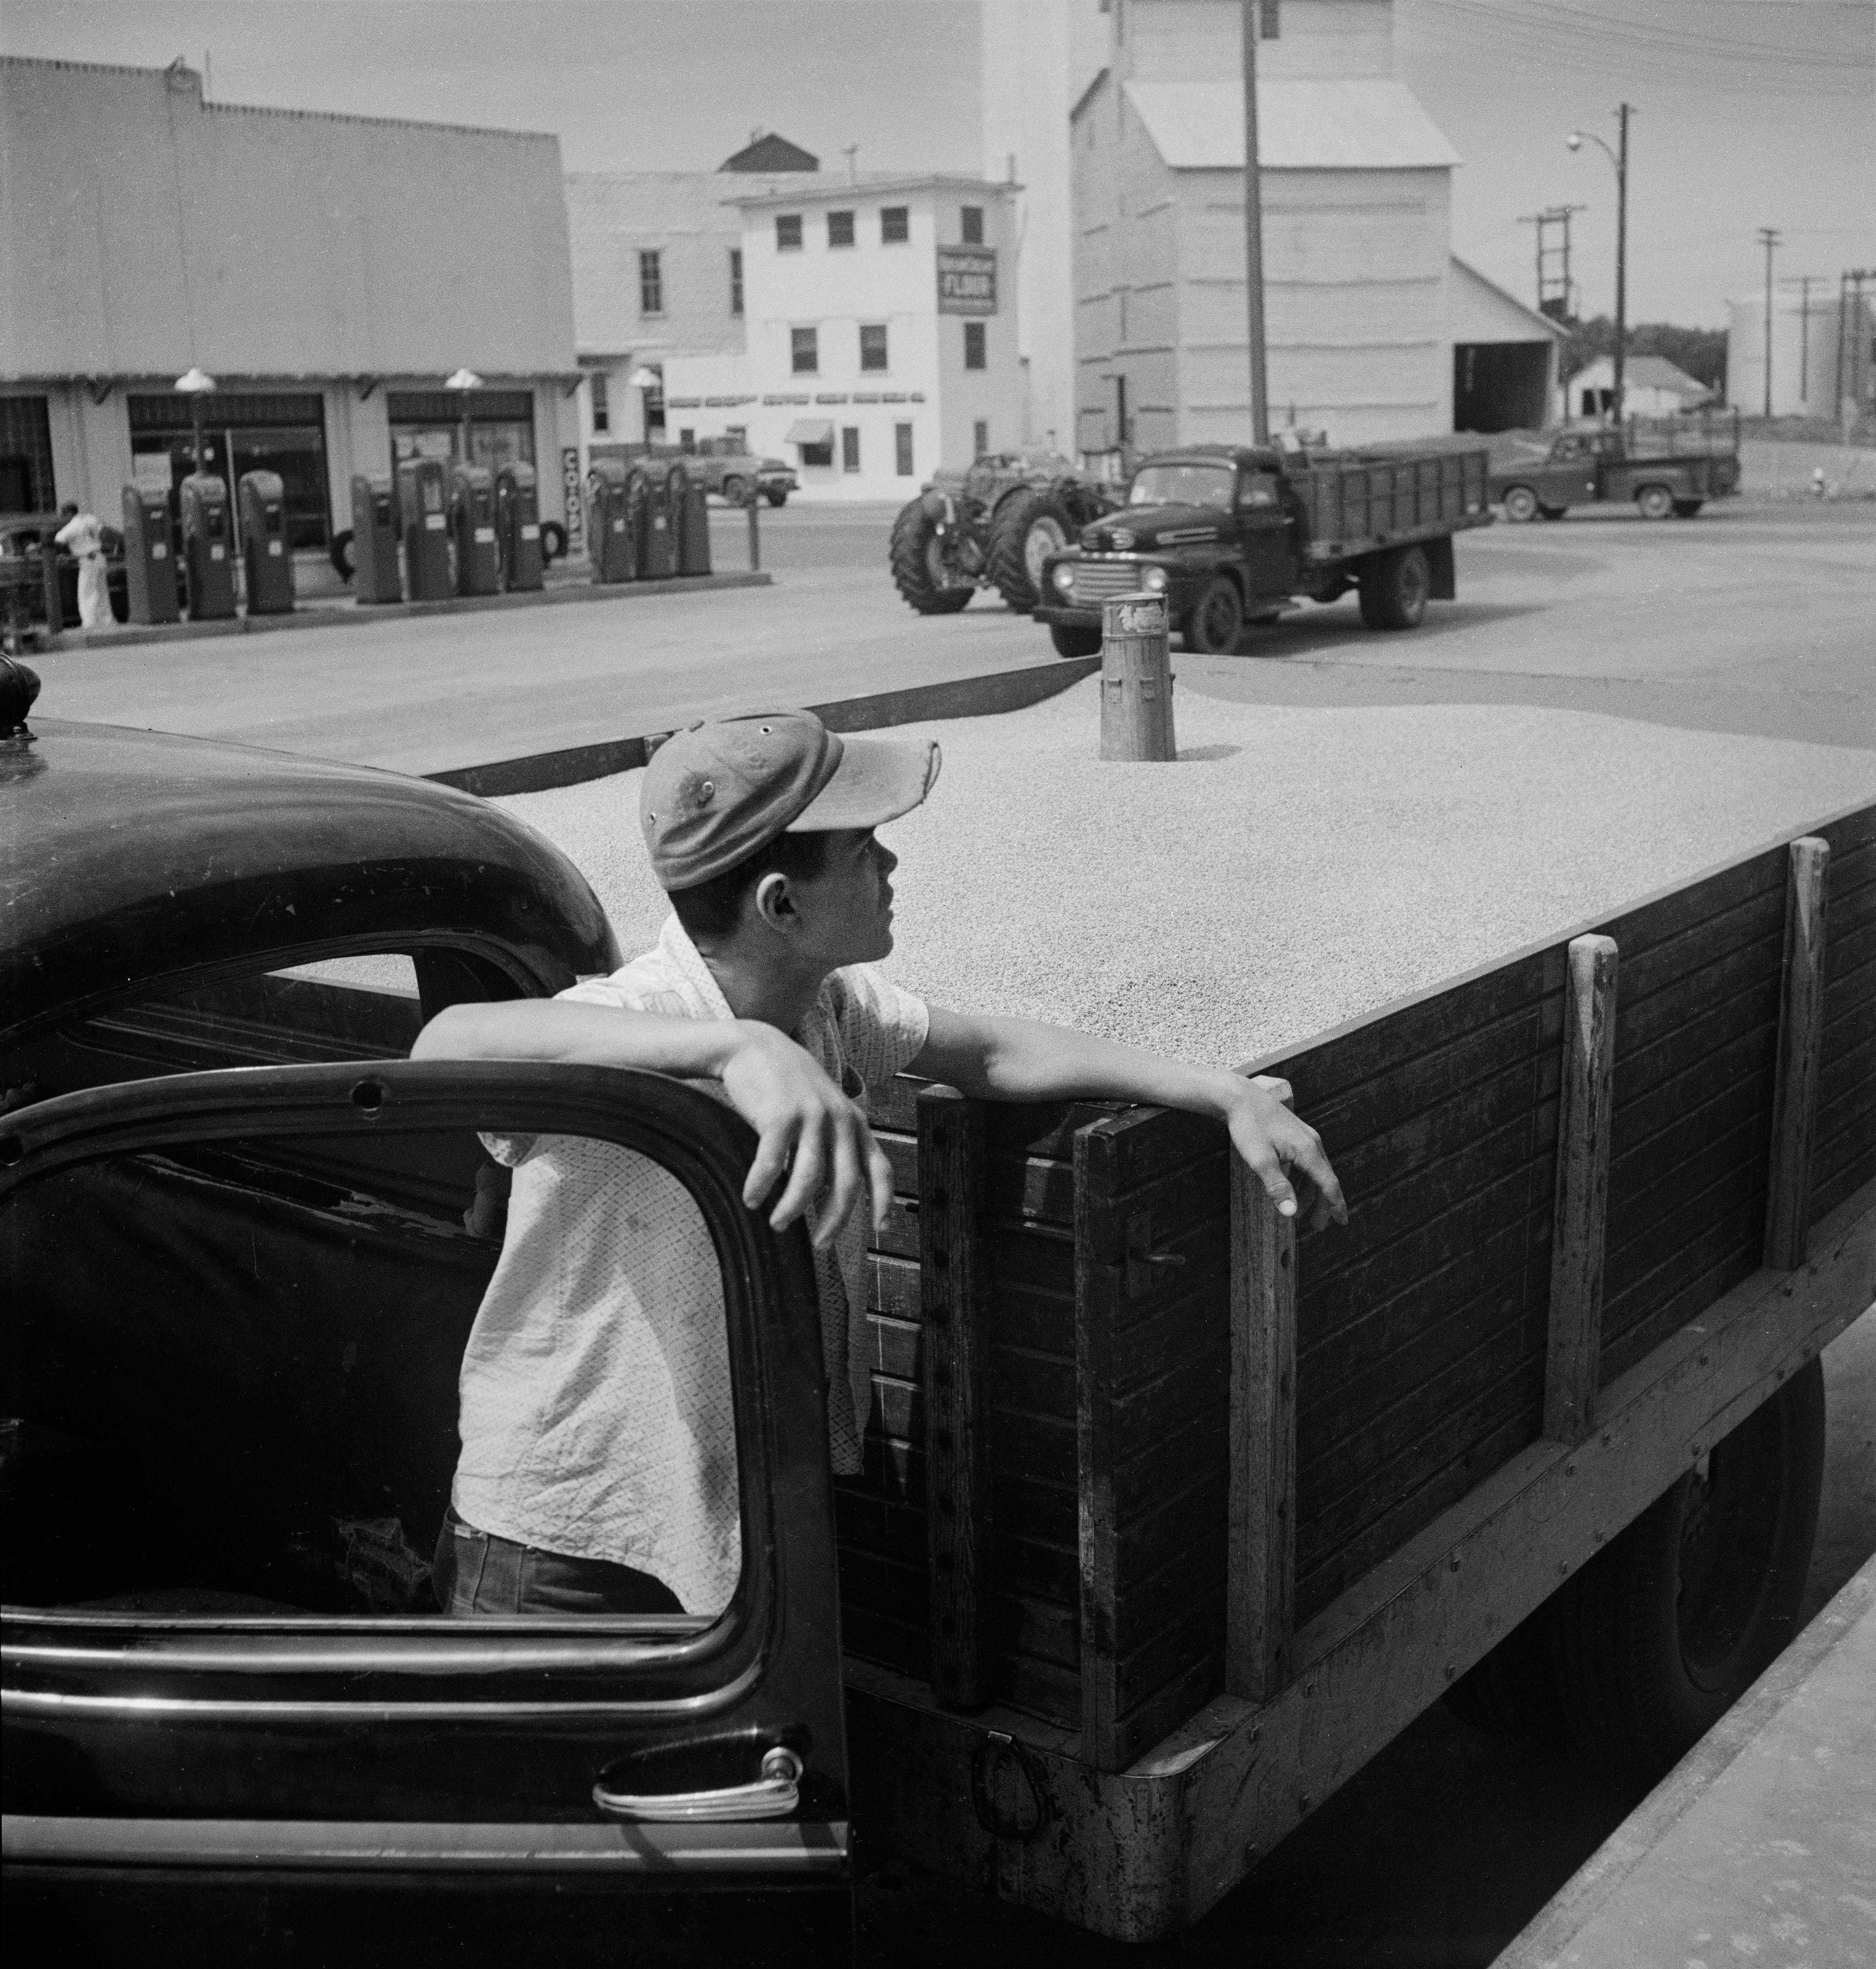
[1421, 1329]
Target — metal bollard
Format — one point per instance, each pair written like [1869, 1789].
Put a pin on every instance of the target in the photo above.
[755, 536]
[1136, 680]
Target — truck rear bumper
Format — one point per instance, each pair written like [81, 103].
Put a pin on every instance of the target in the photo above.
[1139, 1854]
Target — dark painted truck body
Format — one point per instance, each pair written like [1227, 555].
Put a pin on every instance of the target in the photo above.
[1170, 1517]
[1670, 467]
[1232, 534]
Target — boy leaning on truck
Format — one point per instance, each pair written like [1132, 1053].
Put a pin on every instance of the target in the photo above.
[598, 1470]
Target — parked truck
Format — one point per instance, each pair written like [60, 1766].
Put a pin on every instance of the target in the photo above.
[1232, 534]
[1171, 1516]
[1669, 466]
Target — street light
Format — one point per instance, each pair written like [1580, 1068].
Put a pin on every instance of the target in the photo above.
[195, 384]
[642, 379]
[463, 382]
[1575, 141]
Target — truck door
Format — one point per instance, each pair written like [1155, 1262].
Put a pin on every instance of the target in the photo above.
[236, 1722]
[1268, 544]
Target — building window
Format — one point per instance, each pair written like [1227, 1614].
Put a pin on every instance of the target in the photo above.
[686, 438]
[818, 454]
[895, 225]
[27, 484]
[806, 346]
[735, 280]
[737, 436]
[1269, 25]
[840, 228]
[980, 437]
[873, 345]
[971, 225]
[651, 284]
[602, 412]
[787, 232]
[974, 345]
[849, 448]
[902, 450]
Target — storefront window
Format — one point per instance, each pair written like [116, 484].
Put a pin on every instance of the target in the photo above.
[283, 433]
[428, 423]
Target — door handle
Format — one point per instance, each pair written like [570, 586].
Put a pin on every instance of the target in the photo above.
[775, 1795]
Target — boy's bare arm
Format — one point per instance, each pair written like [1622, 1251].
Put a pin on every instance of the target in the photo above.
[1022, 1059]
[803, 1122]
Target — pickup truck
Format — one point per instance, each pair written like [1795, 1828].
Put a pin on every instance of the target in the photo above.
[1171, 1516]
[1233, 533]
[1669, 466]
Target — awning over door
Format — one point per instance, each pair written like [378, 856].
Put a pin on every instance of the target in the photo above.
[810, 430]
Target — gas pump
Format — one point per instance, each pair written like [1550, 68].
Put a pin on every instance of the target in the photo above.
[426, 541]
[691, 518]
[657, 545]
[473, 529]
[149, 566]
[609, 539]
[517, 525]
[373, 540]
[265, 559]
[206, 548]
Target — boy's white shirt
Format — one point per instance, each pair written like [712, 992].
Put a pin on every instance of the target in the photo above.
[597, 1419]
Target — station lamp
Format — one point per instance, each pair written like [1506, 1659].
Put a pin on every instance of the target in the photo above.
[195, 384]
[463, 382]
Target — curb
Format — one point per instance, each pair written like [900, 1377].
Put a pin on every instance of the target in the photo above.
[962, 697]
[318, 615]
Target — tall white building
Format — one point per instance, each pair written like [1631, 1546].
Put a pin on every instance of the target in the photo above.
[880, 333]
[1823, 352]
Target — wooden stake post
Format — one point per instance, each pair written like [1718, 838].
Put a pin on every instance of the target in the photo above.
[1136, 680]
[1800, 1045]
[1574, 1358]
[957, 1418]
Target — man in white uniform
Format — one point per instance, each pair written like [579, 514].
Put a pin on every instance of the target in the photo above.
[598, 1472]
[83, 536]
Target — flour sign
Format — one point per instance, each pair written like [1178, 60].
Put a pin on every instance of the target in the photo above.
[967, 280]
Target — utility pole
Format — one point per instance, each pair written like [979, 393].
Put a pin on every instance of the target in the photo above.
[1553, 262]
[1624, 111]
[1769, 236]
[1804, 344]
[1248, 12]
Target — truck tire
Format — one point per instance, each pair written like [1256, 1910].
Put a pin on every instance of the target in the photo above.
[340, 554]
[1654, 502]
[1520, 503]
[918, 571]
[736, 491]
[1685, 509]
[1394, 588]
[552, 542]
[1215, 620]
[1070, 641]
[1660, 1633]
[1027, 527]
[778, 498]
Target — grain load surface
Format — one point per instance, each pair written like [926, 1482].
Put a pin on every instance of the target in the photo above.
[1296, 868]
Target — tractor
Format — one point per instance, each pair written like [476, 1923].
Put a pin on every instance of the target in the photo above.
[992, 526]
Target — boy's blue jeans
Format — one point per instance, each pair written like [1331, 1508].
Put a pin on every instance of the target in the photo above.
[477, 1575]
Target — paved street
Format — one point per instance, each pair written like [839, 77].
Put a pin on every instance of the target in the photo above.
[1754, 618]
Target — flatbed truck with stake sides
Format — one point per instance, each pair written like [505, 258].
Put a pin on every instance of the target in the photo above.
[1171, 1515]
[1232, 534]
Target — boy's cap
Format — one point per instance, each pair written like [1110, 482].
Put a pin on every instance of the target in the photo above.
[714, 794]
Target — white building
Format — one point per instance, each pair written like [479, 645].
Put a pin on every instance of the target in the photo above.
[880, 333]
[1823, 352]
[1372, 331]
[329, 271]
[1652, 387]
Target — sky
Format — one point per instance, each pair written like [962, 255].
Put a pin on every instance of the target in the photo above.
[1748, 113]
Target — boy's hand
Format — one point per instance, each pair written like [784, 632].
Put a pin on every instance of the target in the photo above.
[1278, 1146]
[807, 1126]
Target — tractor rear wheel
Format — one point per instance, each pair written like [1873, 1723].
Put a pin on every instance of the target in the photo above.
[1028, 527]
[919, 571]
[1394, 588]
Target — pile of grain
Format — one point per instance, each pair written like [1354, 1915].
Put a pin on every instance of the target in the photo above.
[1296, 868]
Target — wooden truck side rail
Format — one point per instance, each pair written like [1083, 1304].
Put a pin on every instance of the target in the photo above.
[1360, 506]
[1187, 1455]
